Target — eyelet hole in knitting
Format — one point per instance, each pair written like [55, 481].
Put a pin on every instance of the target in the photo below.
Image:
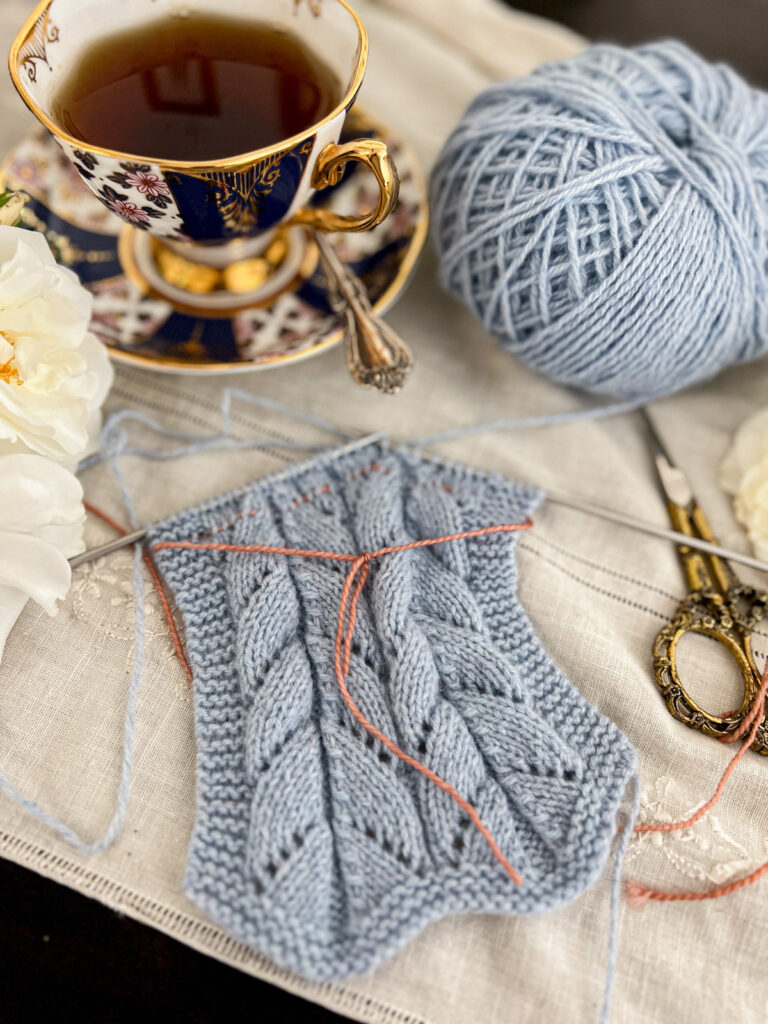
[388, 847]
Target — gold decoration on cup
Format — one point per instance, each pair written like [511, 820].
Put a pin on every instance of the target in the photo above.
[35, 45]
[240, 277]
[328, 171]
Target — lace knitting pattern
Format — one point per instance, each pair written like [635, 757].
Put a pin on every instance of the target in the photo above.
[314, 844]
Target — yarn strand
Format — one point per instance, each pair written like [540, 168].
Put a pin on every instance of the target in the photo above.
[123, 790]
[625, 835]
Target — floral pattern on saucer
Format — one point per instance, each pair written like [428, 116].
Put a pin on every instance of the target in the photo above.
[142, 329]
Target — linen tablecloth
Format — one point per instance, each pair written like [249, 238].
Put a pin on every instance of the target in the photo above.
[596, 595]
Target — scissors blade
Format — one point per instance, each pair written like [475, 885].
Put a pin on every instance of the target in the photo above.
[687, 516]
[673, 480]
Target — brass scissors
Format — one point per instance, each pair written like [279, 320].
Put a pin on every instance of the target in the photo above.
[718, 605]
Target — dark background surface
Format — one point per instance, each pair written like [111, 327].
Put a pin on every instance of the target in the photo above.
[63, 956]
[728, 30]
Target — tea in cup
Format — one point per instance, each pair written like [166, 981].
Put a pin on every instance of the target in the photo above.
[208, 122]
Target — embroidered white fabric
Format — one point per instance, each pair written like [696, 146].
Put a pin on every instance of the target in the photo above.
[596, 594]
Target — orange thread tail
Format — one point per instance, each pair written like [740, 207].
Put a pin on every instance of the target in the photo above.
[637, 893]
[105, 518]
[752, 722]
[158, 584]
[754, 718]
[363, 568]
[345, 629]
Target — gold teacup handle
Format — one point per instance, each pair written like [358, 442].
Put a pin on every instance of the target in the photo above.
[328, 171]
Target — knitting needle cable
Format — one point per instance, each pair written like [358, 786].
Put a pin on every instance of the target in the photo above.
[587, 507]
[663, 532]
[138, 535]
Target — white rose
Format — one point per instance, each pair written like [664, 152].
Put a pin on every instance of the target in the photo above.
[750, 446]
[54, 375]
[744, 473]
[41, 526]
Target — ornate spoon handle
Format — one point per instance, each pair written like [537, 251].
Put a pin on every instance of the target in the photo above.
[376, 356]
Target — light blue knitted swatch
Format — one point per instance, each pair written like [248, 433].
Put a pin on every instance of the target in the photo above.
[313, 844]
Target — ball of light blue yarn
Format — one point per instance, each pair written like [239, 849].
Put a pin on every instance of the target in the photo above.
[607, 218]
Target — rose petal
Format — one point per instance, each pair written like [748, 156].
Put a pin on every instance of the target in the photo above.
[35, 567]
[753, 491]
[750, 446]
[99, 364]
[12, 603]
[36, 493]
[62, 371]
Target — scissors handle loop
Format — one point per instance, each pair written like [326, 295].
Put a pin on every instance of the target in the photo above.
[707, 613]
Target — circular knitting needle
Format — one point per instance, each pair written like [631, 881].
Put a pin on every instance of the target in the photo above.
[107, 549]
[138, 535]
[641, 525]
[621, 518]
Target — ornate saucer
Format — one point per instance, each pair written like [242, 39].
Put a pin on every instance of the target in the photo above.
[155, 310]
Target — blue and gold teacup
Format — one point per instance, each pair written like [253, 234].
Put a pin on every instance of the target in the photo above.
[228, 205]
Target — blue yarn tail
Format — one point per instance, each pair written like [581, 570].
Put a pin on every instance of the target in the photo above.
[123, 790]
[114, 441]
[593, 412]
[613, 941]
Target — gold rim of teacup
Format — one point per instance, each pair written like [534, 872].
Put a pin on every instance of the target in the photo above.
[232, 163]
[413, 250]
